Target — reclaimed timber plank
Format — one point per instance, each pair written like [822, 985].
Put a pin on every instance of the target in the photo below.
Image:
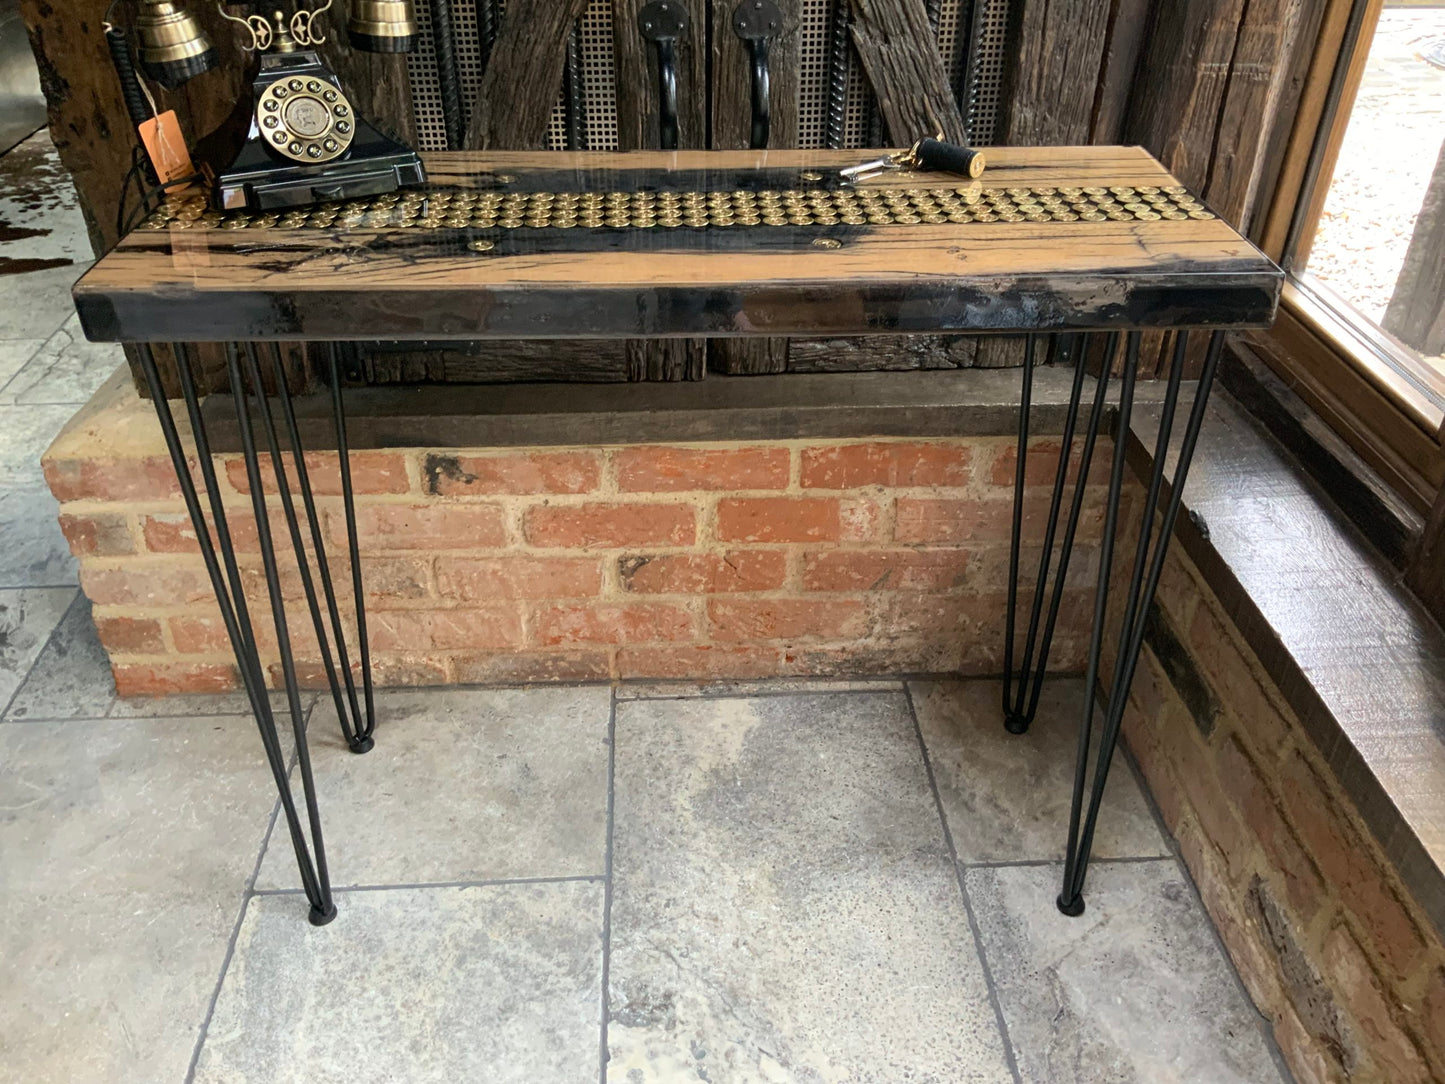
[524, 74]
[897, 48]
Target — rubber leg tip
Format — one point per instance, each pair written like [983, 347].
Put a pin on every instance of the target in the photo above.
[1015, 724]
[320, 917]
[1073, 908]
[363, 745]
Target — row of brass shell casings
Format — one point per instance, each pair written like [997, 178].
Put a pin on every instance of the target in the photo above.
[853, 206]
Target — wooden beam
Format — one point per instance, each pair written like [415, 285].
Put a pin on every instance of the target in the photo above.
[524, 75]
[1426, 576]
[637, 101]
[378, 84]
[1180, 84]
[896, 45]
[1258, 74]
[732, 82]
[1416, 313]
[1123, 42]
[732, 105]
[1050, 78]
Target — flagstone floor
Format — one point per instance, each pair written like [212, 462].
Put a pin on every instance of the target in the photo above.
[827, 882]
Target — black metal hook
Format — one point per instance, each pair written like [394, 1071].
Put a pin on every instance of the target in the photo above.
[758, 22]
[662, 22]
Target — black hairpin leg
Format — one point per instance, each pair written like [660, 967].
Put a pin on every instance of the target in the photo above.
[1149, 555]
[219, 556]
[1021, 700]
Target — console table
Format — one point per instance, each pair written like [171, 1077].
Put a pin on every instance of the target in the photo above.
[1082, 244]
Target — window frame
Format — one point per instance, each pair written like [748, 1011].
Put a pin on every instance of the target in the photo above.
[1387, 405]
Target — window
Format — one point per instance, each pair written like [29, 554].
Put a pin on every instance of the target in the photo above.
[1359, 224]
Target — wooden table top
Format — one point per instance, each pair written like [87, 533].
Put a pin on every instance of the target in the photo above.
[1040, 242]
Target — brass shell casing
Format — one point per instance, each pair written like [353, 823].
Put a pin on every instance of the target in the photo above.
[382, 26]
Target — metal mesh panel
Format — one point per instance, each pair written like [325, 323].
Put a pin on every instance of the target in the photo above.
[600, 74]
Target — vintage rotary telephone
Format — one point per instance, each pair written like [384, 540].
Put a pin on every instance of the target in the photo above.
[306, 143]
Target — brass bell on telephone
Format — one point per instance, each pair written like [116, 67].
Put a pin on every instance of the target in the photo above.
[382, 26]
[173, 45]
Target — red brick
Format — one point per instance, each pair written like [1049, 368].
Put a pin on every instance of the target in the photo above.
[779, 519]
[1348, 864]
[786, 619]
[703, 573]
[497, 625]
[1301, 1050]
[850, 466]
[482, 578]
[140, 679]
[1042, 466]
[627, 624]
[1357, 987]
[669, 470]
[386, 580]
[206, 635]
[885, 570]
[130, 635]
[1235, 682]
[946, 520]
[1203, 794]
[697, 661]
[387, 670]
[146, 585]
[526, 667]
[1141, 734]
[610, 526]
[104, 535]
[1252, 797]
[371, 472]
[111, 479]
[173, 532]
[513, 472]
[1256, 964]
[423, 527]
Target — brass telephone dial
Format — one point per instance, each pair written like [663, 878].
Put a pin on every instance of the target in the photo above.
[307, 120]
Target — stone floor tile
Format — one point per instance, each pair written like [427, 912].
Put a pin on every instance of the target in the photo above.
[33, 552]
[463, 785]
[66, 369]
[186, 705]
[71, 678]
[127, 848]
[783, 904]
[37, 194]
[676, 690]
[14, 353]
[498, 983]
[1007, 796]
[27, 618]
[1136, 989]
[28, 431]
[37, 303]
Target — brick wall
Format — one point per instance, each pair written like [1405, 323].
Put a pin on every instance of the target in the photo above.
[1329, 944]
[538, 564]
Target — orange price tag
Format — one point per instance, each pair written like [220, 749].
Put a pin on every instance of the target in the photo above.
[166, 147]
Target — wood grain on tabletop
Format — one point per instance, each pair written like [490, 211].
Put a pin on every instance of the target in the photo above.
[423, 283]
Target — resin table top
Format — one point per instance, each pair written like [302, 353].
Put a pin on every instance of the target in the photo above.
[714, 243]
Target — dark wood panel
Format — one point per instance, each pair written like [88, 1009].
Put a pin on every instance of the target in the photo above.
[1180, 84]
[1258, 75]
[732, 82]
[1050, 78]
[497, 362]
[896, 46]
[377, 84]
[883, 352]
[88, 119]
[524, 74]
[1123, 42]
[637, 101]
[1427, 568]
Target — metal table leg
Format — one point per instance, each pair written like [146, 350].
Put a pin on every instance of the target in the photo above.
[219, 555]
[1021, 700]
